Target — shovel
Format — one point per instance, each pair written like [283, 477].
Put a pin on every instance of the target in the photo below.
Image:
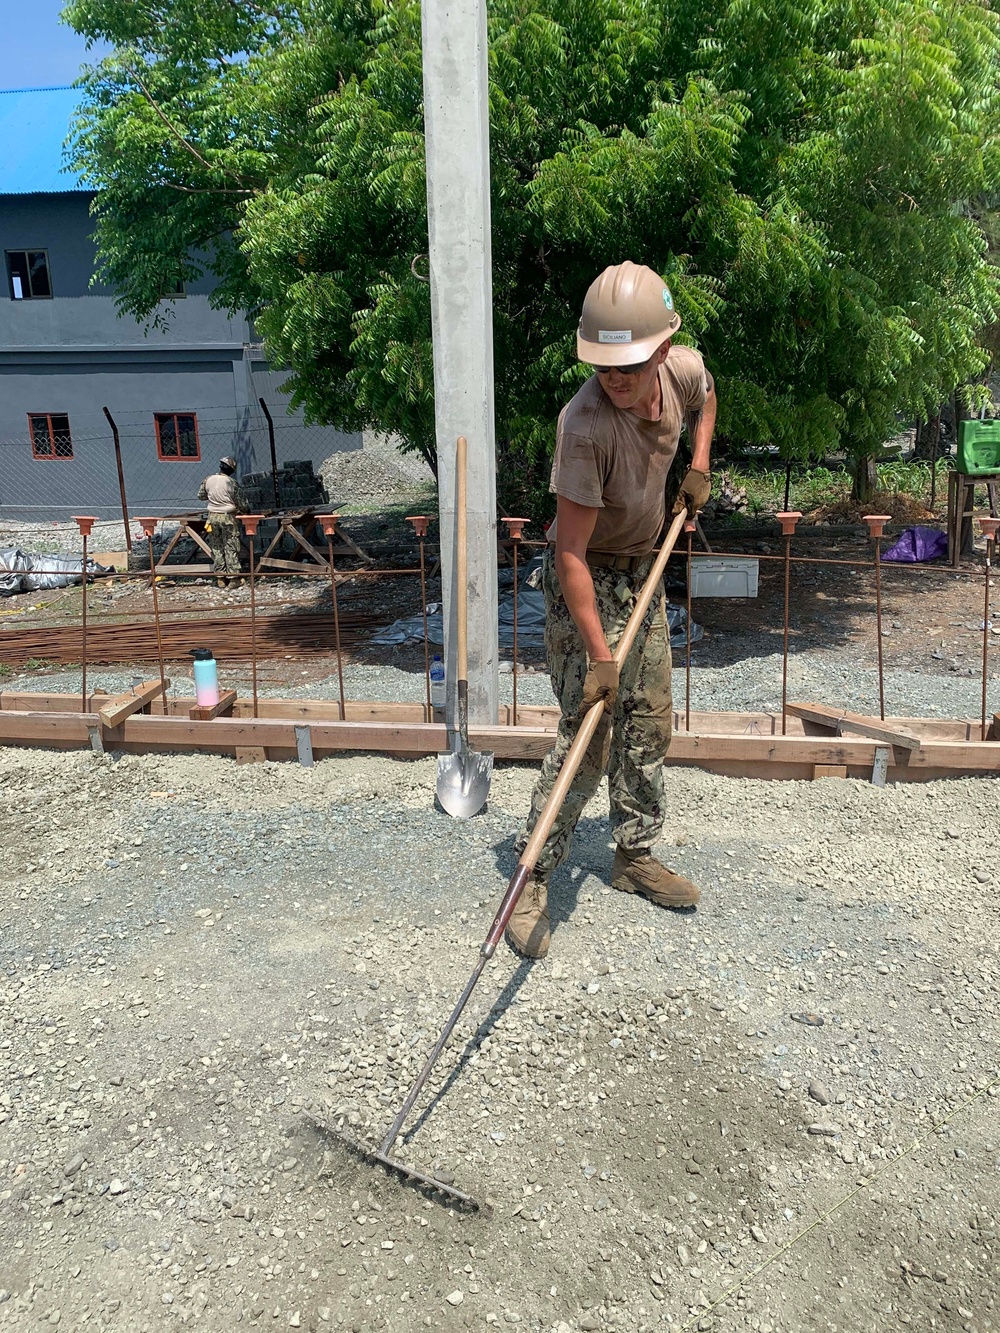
[463, 780]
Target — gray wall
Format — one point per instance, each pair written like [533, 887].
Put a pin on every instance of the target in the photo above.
[73, 354]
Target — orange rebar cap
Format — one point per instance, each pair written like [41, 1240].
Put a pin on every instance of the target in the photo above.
[788, 520]
[876, 522]
[328, 522]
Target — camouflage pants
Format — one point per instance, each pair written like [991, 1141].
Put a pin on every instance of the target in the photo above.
[224, 539]
[630, 742]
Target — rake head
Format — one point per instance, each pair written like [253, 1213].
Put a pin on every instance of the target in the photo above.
[429, 1185]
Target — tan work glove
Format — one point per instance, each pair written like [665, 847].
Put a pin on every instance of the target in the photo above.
[601, 682]
[695, 490]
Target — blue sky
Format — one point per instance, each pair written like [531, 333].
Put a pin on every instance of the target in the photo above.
[39, 51]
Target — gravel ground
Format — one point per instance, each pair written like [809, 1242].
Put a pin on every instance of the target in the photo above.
[803, 1074]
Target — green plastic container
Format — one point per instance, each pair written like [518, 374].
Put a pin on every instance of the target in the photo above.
[978, 447]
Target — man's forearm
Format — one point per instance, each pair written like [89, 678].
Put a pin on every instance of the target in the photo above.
[577, 584]
[701, 444]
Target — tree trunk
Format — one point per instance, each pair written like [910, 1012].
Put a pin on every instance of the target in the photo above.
[928, 438]
[865, 480]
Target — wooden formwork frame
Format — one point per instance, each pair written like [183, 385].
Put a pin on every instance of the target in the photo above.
[738, 744]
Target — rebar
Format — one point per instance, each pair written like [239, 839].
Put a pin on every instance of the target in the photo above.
[420, 522]
[250, 523]
[83, 629]
[689, 528]
[989, 527]
[876, 522]
[788, 520]
[515, 527]
[149, 527]
[329, 525]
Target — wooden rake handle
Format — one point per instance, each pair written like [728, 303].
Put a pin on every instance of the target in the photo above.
[578, 749]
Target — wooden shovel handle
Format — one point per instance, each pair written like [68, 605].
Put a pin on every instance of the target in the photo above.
[461, 591]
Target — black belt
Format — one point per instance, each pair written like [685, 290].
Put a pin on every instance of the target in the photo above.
[600, 560]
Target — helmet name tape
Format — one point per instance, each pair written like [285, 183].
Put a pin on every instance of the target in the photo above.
[614, 335]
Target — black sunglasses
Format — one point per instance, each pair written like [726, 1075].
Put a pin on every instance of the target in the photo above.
[624, 370]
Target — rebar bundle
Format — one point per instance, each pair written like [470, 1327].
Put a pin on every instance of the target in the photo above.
[228, 636]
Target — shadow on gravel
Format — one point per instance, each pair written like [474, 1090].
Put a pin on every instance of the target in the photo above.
[563, 895]
[500, 1006]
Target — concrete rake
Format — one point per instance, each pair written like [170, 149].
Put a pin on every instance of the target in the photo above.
[525, 865]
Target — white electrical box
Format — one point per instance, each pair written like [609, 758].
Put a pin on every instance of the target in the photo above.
[724, 576]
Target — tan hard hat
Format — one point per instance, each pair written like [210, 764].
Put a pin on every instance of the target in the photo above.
[628, 313]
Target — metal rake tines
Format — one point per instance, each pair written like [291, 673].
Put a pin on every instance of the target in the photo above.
[373, 1156]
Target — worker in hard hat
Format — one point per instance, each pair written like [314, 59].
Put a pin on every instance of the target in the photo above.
[615, 444]
[224, 501]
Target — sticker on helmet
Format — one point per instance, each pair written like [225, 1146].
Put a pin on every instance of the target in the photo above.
[614, 335]
[668, 300]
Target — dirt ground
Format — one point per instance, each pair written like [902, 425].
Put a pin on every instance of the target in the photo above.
[777, 1113]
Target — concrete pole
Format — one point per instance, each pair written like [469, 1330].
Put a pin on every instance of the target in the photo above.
[456, 124]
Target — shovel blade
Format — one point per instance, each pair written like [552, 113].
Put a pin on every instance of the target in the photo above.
[463, 782]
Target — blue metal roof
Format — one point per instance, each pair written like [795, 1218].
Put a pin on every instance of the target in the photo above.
[34, 123]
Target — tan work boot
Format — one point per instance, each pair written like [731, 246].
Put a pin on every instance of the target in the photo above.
[528, 928]
[645, 875]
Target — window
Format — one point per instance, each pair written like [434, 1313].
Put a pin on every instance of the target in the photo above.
[177, 435]
[28, 272]
[50, 437]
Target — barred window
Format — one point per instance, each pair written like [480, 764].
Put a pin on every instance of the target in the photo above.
[50, 437]
[177, 435]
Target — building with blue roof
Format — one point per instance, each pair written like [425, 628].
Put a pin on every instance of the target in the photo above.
[181, 396]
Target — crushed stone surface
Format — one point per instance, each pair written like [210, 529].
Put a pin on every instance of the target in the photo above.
[199, 960]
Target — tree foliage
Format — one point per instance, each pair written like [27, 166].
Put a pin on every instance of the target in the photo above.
[797, 169]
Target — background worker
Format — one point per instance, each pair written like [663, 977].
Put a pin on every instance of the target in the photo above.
[615, 443]
[224, 501]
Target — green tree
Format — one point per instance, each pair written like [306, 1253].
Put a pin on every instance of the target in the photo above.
[795, 169]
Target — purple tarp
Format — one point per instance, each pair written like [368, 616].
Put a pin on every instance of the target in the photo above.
[918, 545]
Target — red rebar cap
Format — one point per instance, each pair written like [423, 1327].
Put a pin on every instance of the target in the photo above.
[250, 522]
[515, 527]
[989, 527]
[420, 522]
[876, 522]
[328, 522]
[788, 521]
[85, 522]
[690, 525]
[148, 525]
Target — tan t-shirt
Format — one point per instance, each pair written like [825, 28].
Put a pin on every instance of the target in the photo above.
[221, 492]
[610, 459]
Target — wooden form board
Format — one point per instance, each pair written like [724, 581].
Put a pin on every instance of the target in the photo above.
[532, 718]
[205, 712]
[117, 709]
[740, 753]
[835, 720]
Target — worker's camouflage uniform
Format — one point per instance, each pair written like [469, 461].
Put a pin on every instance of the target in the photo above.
[225, 500]
[224, 539]
[638, 729]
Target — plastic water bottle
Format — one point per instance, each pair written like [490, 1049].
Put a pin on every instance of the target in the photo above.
[206, 677]
[437, 682]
